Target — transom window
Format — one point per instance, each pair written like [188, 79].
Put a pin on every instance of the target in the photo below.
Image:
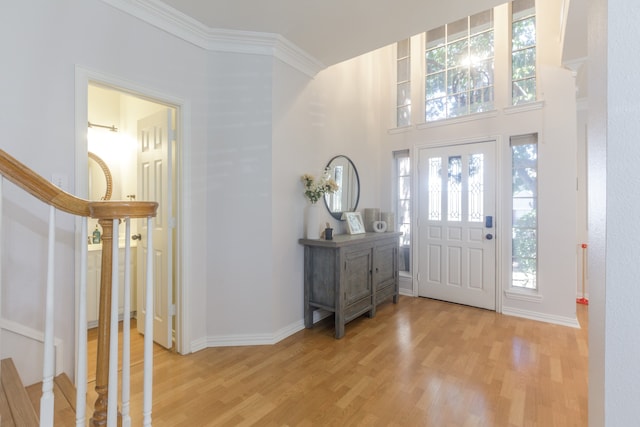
[523, 51]
[459, 60]
[403, 77]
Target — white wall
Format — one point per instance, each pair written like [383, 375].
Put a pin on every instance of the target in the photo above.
[238, 191]
[270, 125]
[42, 43]
[614, 374]
[315, 120]
[597, 164]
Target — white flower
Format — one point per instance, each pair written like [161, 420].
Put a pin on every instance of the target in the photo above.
[315, 190]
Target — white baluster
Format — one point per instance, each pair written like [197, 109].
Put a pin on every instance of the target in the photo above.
[126, 340]
[112, 399]
[46, 401]
[81, 374]
[148, 331]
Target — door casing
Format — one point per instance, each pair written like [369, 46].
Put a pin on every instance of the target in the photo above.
[83, 77]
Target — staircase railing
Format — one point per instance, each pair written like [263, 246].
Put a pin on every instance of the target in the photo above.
[109, 215]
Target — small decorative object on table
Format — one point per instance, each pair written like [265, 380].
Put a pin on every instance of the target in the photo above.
[390, 219]
[370, 215]
[354, 223]
[379, 226]
[314, 190]
[328, 232]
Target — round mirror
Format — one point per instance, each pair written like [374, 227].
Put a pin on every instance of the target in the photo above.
[100, 181]
[344, 172]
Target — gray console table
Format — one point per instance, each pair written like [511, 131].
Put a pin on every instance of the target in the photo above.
[349, 275]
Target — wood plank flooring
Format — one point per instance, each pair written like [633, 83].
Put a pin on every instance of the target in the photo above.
[418, 363]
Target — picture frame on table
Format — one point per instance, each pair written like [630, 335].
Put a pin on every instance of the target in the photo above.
[354, 223]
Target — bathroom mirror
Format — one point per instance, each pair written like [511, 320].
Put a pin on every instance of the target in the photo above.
[100, 180]
[344, 172]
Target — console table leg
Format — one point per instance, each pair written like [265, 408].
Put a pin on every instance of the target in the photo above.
[308, 317]
[339, 326]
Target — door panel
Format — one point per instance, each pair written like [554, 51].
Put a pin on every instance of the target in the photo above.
[456, 261]
[358, 274]
[154, 168]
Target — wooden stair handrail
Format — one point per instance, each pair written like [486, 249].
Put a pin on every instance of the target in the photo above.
[37, 186]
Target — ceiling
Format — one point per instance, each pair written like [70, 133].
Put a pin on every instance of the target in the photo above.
[331, 31]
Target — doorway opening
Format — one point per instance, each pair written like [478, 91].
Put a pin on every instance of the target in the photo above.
[128, 132]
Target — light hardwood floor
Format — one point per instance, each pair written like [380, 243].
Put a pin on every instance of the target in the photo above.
[418, 363]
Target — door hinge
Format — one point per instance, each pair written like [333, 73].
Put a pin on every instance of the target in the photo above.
[172, 310]
[172, 222]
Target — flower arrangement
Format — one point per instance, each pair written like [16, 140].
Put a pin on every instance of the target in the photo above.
[314, 189]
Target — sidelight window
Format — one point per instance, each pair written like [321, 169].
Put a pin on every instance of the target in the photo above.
[402, 163]
[524, 205]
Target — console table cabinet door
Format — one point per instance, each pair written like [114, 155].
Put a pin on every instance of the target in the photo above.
[357, 274]
[386, 271]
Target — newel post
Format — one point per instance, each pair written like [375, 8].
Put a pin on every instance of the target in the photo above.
[104, 321]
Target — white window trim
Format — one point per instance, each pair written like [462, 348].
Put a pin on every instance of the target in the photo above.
[520, 108]
[456, 120]
[529, 295]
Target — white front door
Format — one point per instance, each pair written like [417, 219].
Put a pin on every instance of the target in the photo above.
[155, 165]
[456, 224]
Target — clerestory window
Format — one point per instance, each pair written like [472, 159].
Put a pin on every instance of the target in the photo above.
[523, 51]
[459, 60]
[403, 82]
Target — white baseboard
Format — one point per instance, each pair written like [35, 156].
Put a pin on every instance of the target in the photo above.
[255, 339]
[24, 339]
[542, 317]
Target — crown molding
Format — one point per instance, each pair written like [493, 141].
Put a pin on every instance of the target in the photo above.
[174, 22]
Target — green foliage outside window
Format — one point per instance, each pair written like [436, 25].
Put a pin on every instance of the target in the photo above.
[523, 59]
[524, 210]
[459, 61]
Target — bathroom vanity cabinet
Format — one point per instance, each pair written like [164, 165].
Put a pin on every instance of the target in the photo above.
[349, 275]
[94, 271]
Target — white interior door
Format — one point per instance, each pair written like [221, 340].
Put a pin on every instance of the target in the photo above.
[155, 150]
[456, 224]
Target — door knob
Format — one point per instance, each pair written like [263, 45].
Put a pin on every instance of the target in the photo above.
[137, 236]
[489, 236]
